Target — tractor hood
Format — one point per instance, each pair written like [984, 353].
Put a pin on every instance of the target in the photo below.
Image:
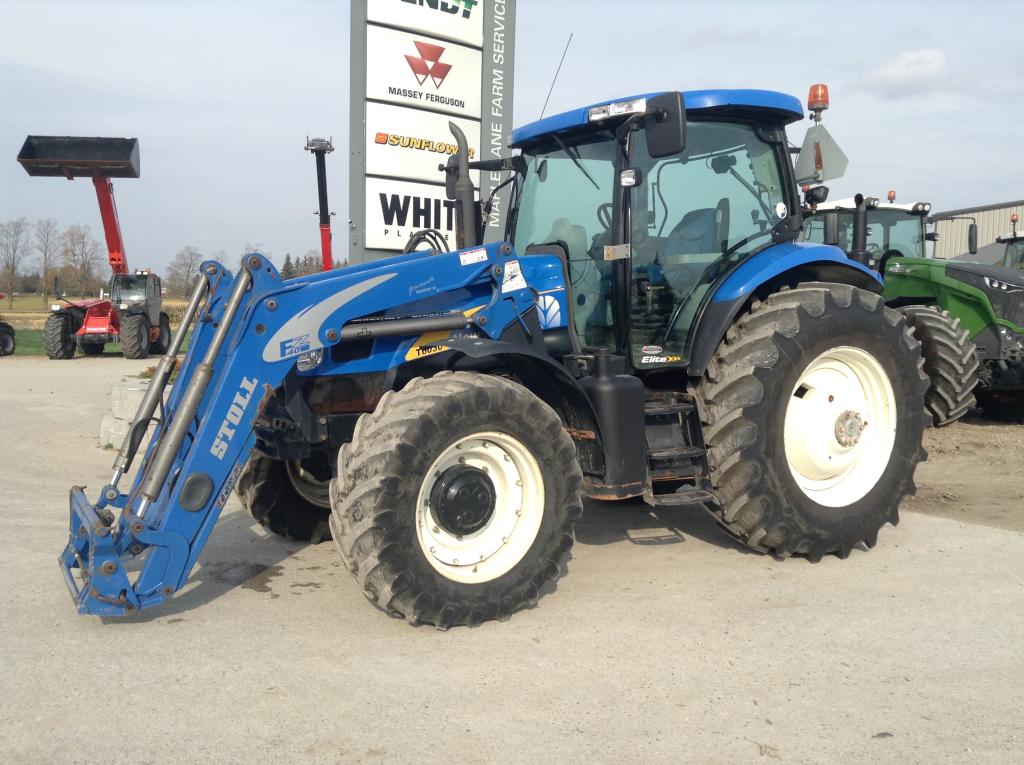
[1007, 279]
[1004, 288]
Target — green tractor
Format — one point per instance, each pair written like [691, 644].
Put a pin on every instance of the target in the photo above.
[969, 317]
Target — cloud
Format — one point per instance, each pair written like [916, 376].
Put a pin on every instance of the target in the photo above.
[911, 73]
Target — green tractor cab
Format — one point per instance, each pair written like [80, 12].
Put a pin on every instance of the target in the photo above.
[968, 316]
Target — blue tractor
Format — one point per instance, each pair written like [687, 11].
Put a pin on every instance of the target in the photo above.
[648, 327]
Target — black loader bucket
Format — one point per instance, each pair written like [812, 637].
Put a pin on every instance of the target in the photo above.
[69, 156]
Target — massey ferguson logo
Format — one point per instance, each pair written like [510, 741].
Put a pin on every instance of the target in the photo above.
[451, 8]
[428, 64]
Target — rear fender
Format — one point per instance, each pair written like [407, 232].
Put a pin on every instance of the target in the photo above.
[766, 272]
[551, 383]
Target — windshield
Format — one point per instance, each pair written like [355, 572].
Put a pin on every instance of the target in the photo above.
[128, 289]
[567, 198]
[1014, 257]
[898, 230]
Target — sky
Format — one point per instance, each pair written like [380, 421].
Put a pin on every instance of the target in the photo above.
[927, 98]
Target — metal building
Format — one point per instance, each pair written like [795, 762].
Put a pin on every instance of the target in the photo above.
[993, 221]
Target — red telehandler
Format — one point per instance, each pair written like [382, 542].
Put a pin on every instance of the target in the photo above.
[132, 315]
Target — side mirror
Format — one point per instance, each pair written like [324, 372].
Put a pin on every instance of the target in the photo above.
[666, 127]
[972, 239]
[816, 195]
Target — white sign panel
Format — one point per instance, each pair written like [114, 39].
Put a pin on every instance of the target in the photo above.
[395, 210]
[461, 20]
[416, 70]
[404, 143]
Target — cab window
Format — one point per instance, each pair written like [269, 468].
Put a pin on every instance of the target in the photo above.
[693, 218]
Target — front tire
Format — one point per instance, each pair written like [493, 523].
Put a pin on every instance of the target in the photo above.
[455, 501]
[163, 342]
[58, 338]
[134, 335]
[950, 361]
[284, 498]
[814, 412]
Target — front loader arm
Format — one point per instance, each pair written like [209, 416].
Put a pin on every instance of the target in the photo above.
[248, 335]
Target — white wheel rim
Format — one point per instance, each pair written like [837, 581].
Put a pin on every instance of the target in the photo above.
[840, 426]
[509, 533]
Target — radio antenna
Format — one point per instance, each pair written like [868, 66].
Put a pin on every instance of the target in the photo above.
[557, 71]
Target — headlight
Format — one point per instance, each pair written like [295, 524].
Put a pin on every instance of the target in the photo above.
[123, 306]
[55, 307]
[311, 360]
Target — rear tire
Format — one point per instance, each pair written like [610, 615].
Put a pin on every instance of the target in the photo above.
[950, 361]
[405, 506]
[58, 339]
[134, 335]
[813, 412]
[7, 341]
[162, 343]
[267, 489]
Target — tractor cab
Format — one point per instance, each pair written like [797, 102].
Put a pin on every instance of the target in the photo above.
[1013, 255]
[650, 216]
[894, 230]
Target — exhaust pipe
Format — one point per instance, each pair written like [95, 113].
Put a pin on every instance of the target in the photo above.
[466, 233]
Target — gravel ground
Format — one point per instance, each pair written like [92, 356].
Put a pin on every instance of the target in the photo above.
[667, 642]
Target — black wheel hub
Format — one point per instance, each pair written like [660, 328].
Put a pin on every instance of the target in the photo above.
[462, 500]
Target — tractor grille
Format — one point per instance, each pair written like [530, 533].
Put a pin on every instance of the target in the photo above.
[1003, 287]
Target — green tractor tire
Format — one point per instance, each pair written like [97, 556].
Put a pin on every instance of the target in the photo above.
[950, 361]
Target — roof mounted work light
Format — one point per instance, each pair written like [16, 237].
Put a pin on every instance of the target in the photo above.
[618, 108]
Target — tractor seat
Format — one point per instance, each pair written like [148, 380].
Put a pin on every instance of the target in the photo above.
[694, 234]
[572, 236]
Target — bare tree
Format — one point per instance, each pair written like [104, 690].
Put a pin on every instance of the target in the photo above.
[251, 247]
[48, 247]
[182, 271]
[80, 254]
[14, 248]
[310, 263]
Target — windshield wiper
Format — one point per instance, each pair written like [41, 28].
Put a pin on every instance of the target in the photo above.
[574, 156]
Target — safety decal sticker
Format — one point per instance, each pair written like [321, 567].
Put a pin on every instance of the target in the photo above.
[470, 257]
[513, 277]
